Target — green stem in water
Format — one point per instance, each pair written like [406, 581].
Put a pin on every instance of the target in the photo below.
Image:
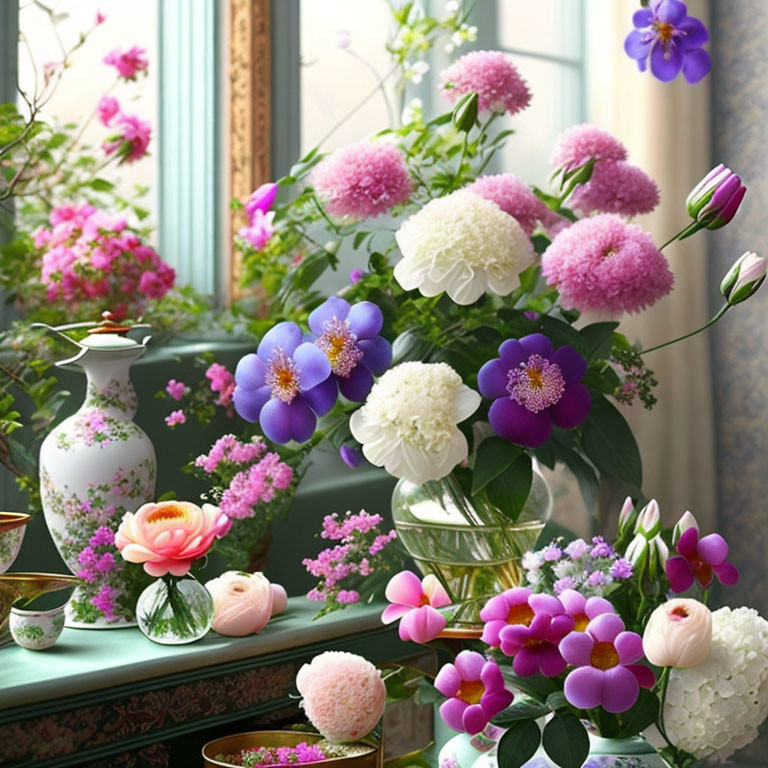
[720, 313]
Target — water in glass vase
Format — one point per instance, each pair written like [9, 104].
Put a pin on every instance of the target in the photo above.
[473, 548]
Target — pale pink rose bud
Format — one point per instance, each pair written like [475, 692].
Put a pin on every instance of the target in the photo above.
[658, 556]
[683, 524]
[678, 634]
[242, 603]
[637, 551]
[649, 520]
[627, 515]
[279, 599]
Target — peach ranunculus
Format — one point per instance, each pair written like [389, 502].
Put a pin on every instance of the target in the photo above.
[242, 603]
[168, 536]
[678, 634]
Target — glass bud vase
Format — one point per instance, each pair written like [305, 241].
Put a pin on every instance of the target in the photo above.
[175, 610]
[468, 543]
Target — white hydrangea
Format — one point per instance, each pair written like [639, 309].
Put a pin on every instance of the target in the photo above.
[716, 707]
[464, 245]
[408, 422]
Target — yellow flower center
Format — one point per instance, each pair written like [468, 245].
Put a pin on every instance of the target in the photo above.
[664, 31]
[520, 614]
[604, 656]
[471, 691]
[580, 622]
[535, 378]
[171, 512]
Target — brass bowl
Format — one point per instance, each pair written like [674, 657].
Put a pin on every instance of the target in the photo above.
[11, 535]
[28, 586]
[231, 745]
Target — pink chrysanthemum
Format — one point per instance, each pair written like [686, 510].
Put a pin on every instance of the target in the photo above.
[499, 85]
[514, 197]
[605, 264]
[363, 180]
[581, 142]
[616, 187]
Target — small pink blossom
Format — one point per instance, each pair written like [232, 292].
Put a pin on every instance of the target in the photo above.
[415, 603]
[175, 418]
[132, 140]
[107, 108]
[256, 485]
[176, 389]
[222, 381]
[258, 233]
[100, 17]
[128, 63]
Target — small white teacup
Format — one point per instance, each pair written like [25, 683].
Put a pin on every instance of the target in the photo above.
[36, 630]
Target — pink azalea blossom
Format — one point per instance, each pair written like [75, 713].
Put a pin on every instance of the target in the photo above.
[258, 233]
[107, 108]
[606, 673]
[132, 140]
[491, 74]
[222, 382]
[175, 418]
[475, 690]
[616, 187]
[128, 63]
[415, 603]
[604, 264]
[100, 17]
[581, 143]
[176, 389]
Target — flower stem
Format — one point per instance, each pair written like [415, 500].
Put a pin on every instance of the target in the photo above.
[719, 314]
[686, 231]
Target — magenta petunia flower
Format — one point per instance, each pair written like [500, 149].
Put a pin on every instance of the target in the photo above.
[363, 180]
[128, 63]
[581, 143]
[616, 187]
[491, 74]
[415, 602]
[607, 265]
[534, 645]
[583, 609]
[275, 385]
[475, 690]
[515, 197]
[533, 387]
[671, 39]
[132, 140]
[700, 559]
[606, 675]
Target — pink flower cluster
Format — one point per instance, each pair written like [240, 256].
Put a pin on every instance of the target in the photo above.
[105, 601]
[229, 449]
[222, 382]
[358, 554]
[128, 63]
[176, 389]
[88, 255]
[491, 74]
[363, 180]
[259, 230]
[279, 756]
[131, 140]
[255, 485]
[94, 561]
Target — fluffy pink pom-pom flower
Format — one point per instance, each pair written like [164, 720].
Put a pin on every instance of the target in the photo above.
[581, 142]
[499, 85]
[363, 180]
[616, 187]
[515, 197]
[605, 264]
[343, 695]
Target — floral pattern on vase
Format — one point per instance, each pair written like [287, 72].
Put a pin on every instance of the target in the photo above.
[94, 467]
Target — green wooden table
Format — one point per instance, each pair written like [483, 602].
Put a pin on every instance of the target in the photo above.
[113, 698]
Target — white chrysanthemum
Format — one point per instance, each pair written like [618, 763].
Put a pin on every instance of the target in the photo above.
[464, 245]
[717, 706]
[408, 423]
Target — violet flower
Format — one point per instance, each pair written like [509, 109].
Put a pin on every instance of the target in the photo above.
[475, 690]
[275, 386]
[714, 201]
[534, 387]
[700, 559]
[606, 675]
[348, 334]
[672, 40]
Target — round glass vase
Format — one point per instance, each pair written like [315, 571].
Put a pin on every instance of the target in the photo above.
[472, 547]
[175, 610]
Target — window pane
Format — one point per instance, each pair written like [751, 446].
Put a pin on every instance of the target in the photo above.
[551, 27]
[88, 78]
[334, 80]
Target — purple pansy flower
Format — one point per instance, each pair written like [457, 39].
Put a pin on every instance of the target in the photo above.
[700, 560]
[348, 334]
[672, 39]
[475, 690]
[533, 387]
[277, 386]
[606, 675]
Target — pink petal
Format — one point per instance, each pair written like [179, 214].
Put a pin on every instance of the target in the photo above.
[394, 612]
[546, 604]
[404, 588]
[552, 663]
[435, 591]
[605, 627]
[526, 663]
[474, 719]
[469, 664]
[643, 675]
[629, 646]
[448, 680]
[422, 624]
[596, 606]
[491, 632]
[727, 573]
[713, 549]
[452, 712]
[573, 602]
[496, 609]
[576, 648]
[584, 687]
[498, 701]
[157, 567]
[679, 573]
[688, 543]
[559, 627]
[179, 567]
[492, 678]
[620, 690]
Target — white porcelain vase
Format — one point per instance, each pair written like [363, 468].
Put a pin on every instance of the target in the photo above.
[95, 466]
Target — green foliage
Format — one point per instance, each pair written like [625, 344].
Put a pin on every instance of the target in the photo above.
[566, 741]
[519, 743]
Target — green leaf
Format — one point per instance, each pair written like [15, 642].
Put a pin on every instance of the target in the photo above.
[540, 243]
[359, 237]
[509, 491]
[566, 741]
[409, 345]
[589, 484]
[598, 338]
[494, 457]
[557, 701]
[642, 715]
[560, 333]
[521, 710]
[465, 112]
[537, 687]
[101, 185]
[610, 445]
[518, 744]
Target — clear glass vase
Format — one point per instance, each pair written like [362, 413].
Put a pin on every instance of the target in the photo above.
[468, 543]
[175, 610]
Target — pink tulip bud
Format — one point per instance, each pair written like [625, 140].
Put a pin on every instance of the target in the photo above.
[637, 552]
[743, 278]
[678, 634]
[242, 603]
[627, 516]
[683, 524]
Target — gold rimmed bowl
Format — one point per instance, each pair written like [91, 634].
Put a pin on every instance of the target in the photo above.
[12, 527]
[25, 587]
